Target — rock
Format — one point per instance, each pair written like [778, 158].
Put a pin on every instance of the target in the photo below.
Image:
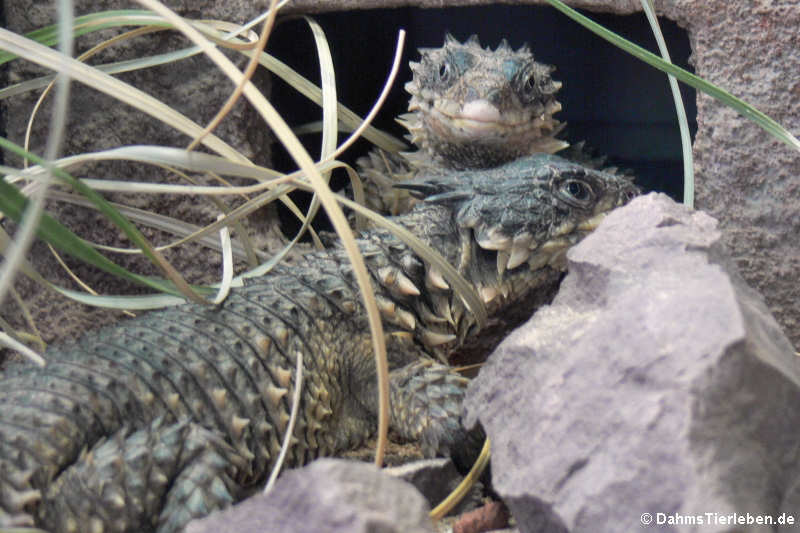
[656, 382]
[327, 496]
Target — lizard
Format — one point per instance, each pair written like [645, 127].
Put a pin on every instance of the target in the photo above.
[471, 107]
[169, 416]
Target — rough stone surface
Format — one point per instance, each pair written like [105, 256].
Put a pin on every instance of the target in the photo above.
[194, 87]
[656, 382]
[317, 6]
[747, 179]
[327, 496]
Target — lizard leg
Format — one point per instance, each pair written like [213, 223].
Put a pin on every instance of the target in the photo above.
[426, 399]
[157, 478]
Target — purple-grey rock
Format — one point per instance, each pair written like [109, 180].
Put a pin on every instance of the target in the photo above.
[656, 382]
[327, 496]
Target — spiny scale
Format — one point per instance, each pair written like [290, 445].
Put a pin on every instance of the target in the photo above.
[449, 86]
[451, 83]
[174, 414]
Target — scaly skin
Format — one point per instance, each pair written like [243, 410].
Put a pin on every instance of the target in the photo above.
[169, 416]
[471, 107]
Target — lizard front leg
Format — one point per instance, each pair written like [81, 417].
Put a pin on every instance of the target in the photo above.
[425, 399]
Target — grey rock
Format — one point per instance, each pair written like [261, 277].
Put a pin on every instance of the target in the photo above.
[656, 382]
[327, 496]
[317, 6]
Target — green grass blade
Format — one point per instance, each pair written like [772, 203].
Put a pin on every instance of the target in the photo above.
[680, 110]
[109, 212]
[13, 204]
[48, 35]
[743, 108]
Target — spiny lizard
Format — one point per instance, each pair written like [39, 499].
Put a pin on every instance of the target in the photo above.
[169, 416]
[471, 107]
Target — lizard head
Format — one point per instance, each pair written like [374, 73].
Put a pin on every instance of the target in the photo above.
[522, 216]
[473, 107]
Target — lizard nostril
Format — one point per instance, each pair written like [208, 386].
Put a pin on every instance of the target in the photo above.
[496, 96]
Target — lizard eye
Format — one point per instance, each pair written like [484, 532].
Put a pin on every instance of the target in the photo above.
[529, 87]
[444, 72]
[576, 192]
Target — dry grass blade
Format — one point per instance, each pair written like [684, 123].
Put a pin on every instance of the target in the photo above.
[21, 336]
[462, 489]
[66, 66]
[329, 129]
[287, 437]
[30, 220]
[248, 74]
[306, 164]
[173, 157]
[36, 336]
[155, 301]
[313, 93]
[115, 88]
[9, 342]
[188, 232]
[329, 120]
[364, 126]
[118, 67]
[227, 264]
[83, 57]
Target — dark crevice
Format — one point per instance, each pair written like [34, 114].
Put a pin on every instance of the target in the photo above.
[621, 107]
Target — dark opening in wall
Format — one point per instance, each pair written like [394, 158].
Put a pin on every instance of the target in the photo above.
[620, 106]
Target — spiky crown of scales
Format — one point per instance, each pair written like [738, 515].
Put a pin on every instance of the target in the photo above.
[474, 107]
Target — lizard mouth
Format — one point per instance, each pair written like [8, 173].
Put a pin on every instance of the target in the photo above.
[478, 133]
[480, 127]
[513, 252]
[479, 120]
